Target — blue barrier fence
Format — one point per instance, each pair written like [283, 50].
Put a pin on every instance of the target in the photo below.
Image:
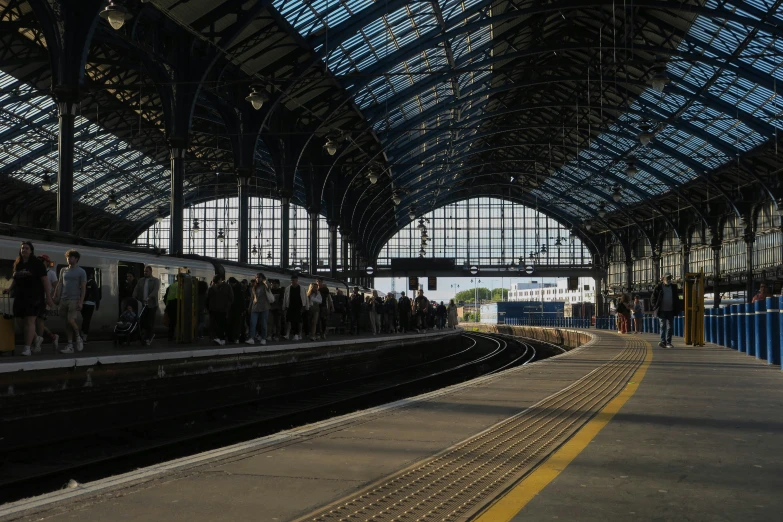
[752, 328]
[555, 322]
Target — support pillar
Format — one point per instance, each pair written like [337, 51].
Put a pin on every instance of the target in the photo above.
[629, 275]
[332, 250]
[716, 275]
[344, 254]
[244, 215]
[313, 215]
[686, 261]
[750, 238]
[177, 200]
[656, 260]
[66, 114]
[285, 223]
[599, 296]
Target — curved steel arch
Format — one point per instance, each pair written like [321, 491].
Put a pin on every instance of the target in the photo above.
[575, 182]
[569, 217]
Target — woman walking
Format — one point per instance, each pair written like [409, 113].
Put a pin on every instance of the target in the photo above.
[453, 321]
[32, 294]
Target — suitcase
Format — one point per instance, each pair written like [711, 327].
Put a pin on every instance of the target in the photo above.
[7, 332]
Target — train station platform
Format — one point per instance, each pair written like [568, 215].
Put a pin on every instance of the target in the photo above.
[101, 353]
[617, 429]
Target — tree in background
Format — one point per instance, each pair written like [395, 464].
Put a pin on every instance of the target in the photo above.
[468, 296]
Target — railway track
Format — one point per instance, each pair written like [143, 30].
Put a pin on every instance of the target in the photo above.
[102, 449]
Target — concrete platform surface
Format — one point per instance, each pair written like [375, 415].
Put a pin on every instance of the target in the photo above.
[700, 440]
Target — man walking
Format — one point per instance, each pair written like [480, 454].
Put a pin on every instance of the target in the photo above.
[70, 292]
[665, 303]
[421, 305]
[147, 291]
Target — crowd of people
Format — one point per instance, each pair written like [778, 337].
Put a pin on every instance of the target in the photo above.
[39, 291]
[264, 310]
[229, 311]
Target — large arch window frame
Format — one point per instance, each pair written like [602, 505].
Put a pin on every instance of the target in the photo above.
[265, 232]
[488, 231]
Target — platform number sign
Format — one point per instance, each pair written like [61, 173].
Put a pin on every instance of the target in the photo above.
[432, 283]
[413, 284]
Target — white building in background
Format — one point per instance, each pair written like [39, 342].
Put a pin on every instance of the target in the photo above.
[554, 292]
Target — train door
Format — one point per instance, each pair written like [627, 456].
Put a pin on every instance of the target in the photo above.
[128, 274]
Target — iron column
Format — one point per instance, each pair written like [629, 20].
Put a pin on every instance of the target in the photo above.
[66, 114]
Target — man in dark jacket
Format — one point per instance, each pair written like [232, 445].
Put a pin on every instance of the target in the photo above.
[421, 305]
[404, 306]
[219, 299]
[665, 302]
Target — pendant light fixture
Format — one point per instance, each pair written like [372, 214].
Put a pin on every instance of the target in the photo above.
[116, 14]
[112, 200]
[257, 97]
[46, 182]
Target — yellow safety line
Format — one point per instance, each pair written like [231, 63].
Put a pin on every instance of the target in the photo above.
[514, 501]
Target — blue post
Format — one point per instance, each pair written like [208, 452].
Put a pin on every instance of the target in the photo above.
[727, 326]
[718, 323]
[750, 345]
[742, 346]
[681, 322]
[760, 329]
[676, 325]
[733, 327]
[708, 325]
[773, 330]
[780, 328]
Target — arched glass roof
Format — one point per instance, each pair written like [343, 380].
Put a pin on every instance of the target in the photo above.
[544, 103]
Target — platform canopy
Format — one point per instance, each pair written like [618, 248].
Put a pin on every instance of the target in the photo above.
[603, 115]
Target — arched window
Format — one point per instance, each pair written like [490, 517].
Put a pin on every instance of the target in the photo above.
[767, 248]
[671, 256]
[701, 257]
[488, 232]
[732, 252]
[206, 223]
[642, 263]
[617, 275]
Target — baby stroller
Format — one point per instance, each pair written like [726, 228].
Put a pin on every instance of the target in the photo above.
[127, 332]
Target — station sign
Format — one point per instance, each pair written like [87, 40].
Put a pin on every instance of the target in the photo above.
[413, 283]
[432, 283]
